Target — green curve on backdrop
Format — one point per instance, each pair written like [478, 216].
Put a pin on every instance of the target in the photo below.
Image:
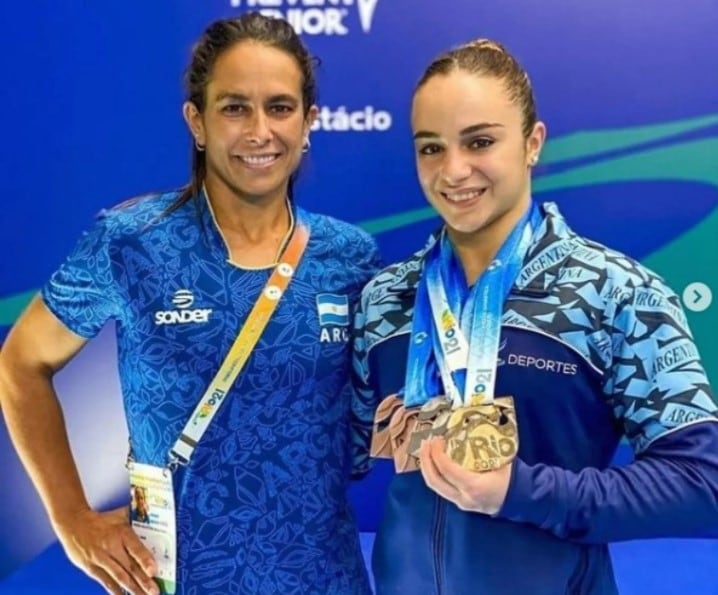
[10, 307]
[687, 258]
[589, 143]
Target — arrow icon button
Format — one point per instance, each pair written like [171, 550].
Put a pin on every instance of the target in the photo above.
[697, 296]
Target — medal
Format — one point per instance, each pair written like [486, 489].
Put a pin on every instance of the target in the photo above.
[483, 437]
[432, 421]
[393, 427]
[403, 424]
[479, 438]
[380, 439]
[453, 350]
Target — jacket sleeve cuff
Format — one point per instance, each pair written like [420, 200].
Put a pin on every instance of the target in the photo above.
[529, 498]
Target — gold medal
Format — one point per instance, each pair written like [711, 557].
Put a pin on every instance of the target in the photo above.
[483, 437]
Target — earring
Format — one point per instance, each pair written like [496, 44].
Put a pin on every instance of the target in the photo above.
[198, 146]
[534, 159]
[306, 146]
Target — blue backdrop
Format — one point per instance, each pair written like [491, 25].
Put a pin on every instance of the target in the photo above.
[91, 99]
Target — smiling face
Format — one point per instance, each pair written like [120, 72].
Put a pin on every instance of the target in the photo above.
[140, 500]
[472, 156]
[253, 125]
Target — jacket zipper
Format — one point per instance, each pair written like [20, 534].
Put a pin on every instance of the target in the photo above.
[438, 541]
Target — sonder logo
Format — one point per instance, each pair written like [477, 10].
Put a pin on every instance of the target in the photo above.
[182, 300]
[315, 17]
[341, 119]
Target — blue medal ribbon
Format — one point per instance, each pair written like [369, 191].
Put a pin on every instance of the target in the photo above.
[456, 329]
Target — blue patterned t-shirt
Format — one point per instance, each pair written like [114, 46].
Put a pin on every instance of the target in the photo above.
[262, 505]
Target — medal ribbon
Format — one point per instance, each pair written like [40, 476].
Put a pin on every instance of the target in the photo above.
[242, 347]
[456, 329]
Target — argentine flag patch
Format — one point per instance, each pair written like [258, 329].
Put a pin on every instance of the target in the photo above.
[333, 309]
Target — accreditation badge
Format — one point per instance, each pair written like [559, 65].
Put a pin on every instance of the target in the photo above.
[152, 516]
[483, 437]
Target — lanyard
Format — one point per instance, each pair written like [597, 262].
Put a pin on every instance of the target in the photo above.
[456, 329]
[241, 349]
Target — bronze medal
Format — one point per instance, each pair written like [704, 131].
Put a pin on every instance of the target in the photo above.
[393, 425]
[402, 425]
[380, 438]
[483, 437]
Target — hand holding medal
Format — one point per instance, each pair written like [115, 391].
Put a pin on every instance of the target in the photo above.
[453, 350]
[476, 492]
[483, 437]
[479, 438]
